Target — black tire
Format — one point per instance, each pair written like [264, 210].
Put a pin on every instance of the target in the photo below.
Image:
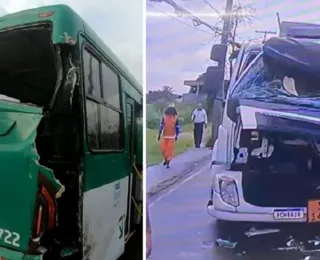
[230, 230]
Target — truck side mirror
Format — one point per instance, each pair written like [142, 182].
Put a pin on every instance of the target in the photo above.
[218, 52]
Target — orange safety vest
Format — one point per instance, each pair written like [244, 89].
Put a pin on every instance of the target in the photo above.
[169, 126]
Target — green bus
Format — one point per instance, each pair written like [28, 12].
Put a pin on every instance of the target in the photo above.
[70, 140]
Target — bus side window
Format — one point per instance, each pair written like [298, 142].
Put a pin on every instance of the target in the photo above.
[110, 86]
[92, 124]
[111, 129]
[91, 75]
[104, 117]
[93, 89]
[112, 125]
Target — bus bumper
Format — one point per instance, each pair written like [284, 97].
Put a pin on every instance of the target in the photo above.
[7, 254]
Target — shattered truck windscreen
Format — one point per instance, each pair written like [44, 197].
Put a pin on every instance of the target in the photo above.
[285, 78]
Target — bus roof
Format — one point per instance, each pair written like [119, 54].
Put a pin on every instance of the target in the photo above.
[67, 24]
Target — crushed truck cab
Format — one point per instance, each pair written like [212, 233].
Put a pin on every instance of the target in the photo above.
[265, 162]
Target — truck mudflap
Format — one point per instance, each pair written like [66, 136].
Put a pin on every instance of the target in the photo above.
[28, 190]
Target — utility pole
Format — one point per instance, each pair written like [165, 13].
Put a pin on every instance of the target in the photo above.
[227, 19]
[266, 33]
[279, 20]
[226, 30]
[217, 113]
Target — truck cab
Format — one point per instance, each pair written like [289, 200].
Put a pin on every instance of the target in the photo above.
[268, 141]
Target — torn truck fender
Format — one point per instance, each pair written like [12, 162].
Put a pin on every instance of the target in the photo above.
[48, 173]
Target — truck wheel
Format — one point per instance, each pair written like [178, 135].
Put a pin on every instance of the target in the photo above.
[229, 230]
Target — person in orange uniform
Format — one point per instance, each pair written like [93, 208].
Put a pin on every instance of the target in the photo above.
[169, 128]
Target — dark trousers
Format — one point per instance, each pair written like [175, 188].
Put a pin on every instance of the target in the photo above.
[197, 133]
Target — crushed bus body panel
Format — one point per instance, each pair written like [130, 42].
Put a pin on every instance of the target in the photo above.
[20, 173]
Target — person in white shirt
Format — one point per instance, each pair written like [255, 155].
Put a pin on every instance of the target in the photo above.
[200, 119]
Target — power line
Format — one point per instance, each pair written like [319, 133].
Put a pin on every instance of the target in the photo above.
[179, 10]
[265, 33]
[175, 18]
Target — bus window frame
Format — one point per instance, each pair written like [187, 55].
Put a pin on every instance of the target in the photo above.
[101, 58]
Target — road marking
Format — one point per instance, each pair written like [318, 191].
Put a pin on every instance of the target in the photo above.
[179, 185]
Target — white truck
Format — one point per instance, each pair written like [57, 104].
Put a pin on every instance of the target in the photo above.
[265, 161]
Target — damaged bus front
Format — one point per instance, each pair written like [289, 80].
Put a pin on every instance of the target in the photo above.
[36, 68]
[69, 141]
[267, 154]
[28, 189]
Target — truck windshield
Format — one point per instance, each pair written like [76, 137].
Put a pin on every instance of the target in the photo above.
[264, 78]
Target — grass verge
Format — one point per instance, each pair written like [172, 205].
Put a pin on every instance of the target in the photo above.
[185, 142]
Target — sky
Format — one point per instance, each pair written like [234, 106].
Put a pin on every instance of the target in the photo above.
[178, 51]
[118, 22]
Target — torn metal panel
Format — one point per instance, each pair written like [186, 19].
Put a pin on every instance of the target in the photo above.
[63, 96]
[56, 184]
[21, 173]
[68, 39]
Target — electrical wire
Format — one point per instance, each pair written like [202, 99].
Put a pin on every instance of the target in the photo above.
[195, 20]
[175, 18]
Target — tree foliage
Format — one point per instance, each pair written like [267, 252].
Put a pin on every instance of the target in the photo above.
[166, 94]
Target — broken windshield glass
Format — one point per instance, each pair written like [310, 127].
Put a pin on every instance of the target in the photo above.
[266, 79]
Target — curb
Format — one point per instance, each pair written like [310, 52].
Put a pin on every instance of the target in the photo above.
[175, 179]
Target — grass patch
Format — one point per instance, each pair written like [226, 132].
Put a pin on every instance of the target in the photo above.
[185, 142]
[153, 146]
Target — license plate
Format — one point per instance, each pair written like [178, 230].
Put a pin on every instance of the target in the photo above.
[313, 211]
[284, 214]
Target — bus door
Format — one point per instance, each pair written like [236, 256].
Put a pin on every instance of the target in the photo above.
[137, 189]
[130, 130]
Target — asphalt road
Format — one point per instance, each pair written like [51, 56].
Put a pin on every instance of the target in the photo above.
[182, 229]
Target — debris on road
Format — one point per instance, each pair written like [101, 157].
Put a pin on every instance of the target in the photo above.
[256, 232]
[315, 241]
[226, 243]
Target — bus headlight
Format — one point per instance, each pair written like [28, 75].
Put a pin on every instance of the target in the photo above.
[229, 191]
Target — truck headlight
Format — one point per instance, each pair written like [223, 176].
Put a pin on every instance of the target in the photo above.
[229, 191]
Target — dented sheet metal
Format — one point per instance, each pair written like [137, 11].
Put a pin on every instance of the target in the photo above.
[20, 171]
[68, 39]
